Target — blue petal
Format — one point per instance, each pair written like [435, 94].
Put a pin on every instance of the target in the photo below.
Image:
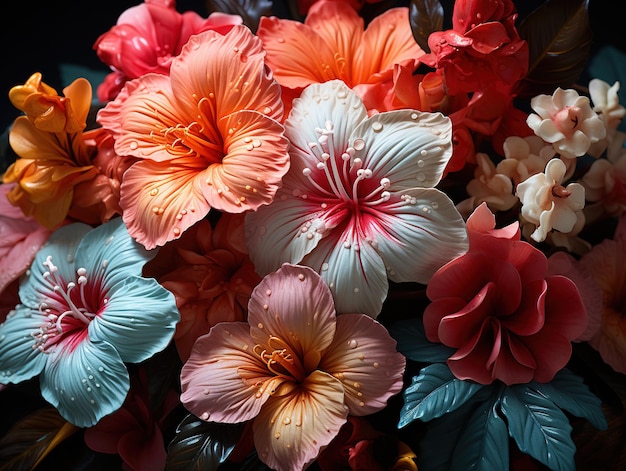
[139, 319]
[19, 361]
[108, 251]
[61, 247]
[86, 383]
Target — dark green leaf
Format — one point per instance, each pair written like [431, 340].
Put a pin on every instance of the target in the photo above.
[201, 445]
[433, 393]
[250, 10]
[484, 442]
[413, 344]
[32, 438]
[539, 427]
[426, 16]
[559, 37]
[438, 445]
[568, 391]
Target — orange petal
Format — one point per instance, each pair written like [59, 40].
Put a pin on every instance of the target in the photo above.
[161, 200]
[294, 425]
[252, 169]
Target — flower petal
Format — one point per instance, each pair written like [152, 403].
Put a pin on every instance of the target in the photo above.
[295, 305]
[161, 200]
[139, 318]
[254, 163]
[296, 424]
[19, 361]
[409, 147]
[86, 383]
[353, 269]
[363, 356]
[427, 227]
[224, 380]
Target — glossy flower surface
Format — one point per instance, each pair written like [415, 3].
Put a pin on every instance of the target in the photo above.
[147, 37]
[482, 48]
[333, 43]
[495, 305]
[567, 121]
[208, 136]
[297, 369]
[358, 204]
[53, 155]
[549, 205]
[85, 311]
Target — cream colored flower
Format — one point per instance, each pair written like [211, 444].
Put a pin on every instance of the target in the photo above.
[547, 204]
[606, 102]
[566, 121]
[524, 157]
[490, 186]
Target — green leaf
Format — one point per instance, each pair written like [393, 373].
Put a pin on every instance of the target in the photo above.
[426, 17]
[559, 37]
[539, 427]
[433, 393]
[201, 445]
[568, 391]
[32, 438]
[413, 344]
[484, 442]
[250, 10]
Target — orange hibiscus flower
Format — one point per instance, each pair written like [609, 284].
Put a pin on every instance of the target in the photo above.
[207, 136]
[333, 43]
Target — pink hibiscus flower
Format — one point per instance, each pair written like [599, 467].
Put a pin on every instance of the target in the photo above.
[146, 39]
[497, 307]
[208, 136]
[297, 369]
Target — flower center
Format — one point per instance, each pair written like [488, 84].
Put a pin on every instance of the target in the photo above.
[280, 359]
[343, 177]
[67, 312]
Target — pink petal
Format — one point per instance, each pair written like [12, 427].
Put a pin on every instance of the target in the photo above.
[224, 380]
[363, 356]
[296, 423]
[436, 311]
[294, 305]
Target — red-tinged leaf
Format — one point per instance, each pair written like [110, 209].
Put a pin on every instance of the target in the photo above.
[250, 10]
[426, 17]
[559, 37]
[31, 439]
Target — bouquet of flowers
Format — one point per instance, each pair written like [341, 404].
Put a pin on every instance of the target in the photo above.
[353, 236]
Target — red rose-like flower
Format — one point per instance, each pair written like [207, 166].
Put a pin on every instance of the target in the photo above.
[496, 305]
[482, 47]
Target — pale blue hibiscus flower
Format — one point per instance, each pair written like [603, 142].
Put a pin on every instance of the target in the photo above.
[84, 312]
[359, 203]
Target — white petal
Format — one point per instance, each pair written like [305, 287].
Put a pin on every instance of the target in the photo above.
[409, 147]
[417, 238]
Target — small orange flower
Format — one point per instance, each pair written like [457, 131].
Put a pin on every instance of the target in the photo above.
[53, 154]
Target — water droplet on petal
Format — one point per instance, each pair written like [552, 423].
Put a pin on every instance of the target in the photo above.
[359, 144]
[353, 343]
[377, 126]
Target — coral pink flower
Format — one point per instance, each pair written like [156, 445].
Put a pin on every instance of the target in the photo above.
[208, 136]
[147, 37]
[210, 275]
[606, 263]
[297, 369]
[333, 44]
[20, 239]
[497, 307]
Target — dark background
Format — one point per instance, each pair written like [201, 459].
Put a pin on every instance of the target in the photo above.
[37, 36]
